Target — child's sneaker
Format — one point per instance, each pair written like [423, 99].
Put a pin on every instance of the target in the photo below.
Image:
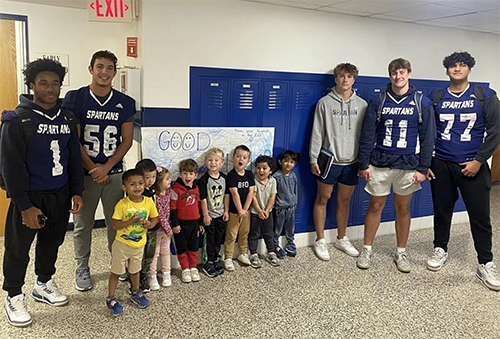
[115, 306]
[144, 285]
[291, 249]
[273, 259]
[124, 277]
[228, 265]
[139, 299]
[210, 270]
[255, 261]
[195, 275]
[49, 293]
[280, 252]
[218, 267]
[153, 283]
[186, 275]
[166, 280]
[16, 311]
[243, 258]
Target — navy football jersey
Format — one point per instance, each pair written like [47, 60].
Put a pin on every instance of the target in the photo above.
[397, 132]
[460, 126]
[100, 123]
[48, 152]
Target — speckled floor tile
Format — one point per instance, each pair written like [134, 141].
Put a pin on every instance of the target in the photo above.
[302, 298]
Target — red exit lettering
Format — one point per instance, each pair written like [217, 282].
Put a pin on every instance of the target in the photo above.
[109, 8]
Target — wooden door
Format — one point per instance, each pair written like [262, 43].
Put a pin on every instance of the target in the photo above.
[8, 90]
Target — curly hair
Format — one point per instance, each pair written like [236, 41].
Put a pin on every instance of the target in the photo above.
[346, 67]
[103, 55]
[459, 57]
[43, 65]
[267, 159]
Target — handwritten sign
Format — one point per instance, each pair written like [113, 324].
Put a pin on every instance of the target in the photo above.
[166, 146]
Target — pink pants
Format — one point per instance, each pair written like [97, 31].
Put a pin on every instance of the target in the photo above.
[163, 249]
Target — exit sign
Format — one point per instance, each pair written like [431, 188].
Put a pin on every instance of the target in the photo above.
[110, 10]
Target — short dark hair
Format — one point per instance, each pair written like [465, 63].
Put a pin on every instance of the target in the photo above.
[289, 155]
[188, 165]
[146, 165]
[241, 148]
[346, 67]
[43, 65]
[104, 54]
[131, 173]
[399, 63]
[265, 158]
[459, 57]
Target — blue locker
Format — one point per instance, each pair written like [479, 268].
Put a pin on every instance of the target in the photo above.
[245, 109]
[275, 108]
[214, 102]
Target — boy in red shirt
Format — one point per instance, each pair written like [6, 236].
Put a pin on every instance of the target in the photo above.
[185, 219]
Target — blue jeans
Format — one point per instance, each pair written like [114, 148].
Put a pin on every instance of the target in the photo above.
[284, 218]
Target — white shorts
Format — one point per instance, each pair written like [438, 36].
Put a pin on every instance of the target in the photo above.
[383, 178]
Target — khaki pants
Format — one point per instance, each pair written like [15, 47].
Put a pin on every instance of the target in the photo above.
[236, 226]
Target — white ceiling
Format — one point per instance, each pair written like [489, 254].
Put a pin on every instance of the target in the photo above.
[471, 15]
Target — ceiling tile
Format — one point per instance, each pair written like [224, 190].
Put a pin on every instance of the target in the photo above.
[476, 5]
[376, 6]
[469, 19]
[428, 11]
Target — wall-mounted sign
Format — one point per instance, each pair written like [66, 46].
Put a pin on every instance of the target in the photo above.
[110, 10]
[132, 46]
[62, 58]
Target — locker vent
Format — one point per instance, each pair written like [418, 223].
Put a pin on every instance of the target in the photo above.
[246, 99]
[214, 98]
[302, 100]
[275, 100]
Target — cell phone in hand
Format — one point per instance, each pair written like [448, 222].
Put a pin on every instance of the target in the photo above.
[41, 220]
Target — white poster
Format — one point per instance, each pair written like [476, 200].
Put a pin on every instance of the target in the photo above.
[166, 146]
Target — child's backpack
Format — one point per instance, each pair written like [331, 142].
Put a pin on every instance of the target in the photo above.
[24, 116]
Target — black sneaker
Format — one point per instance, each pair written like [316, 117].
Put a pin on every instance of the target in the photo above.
[144, 285]
[218, 266]
[210, 270]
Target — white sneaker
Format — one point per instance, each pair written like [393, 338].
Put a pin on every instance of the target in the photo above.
[402, 260]
[153, 283]
[321, 249]
[486, 272]
[345, 245]
[228, 265]
[166, 279]
[49, 293]
[16, 311]
[186, 275]
[438, 260]
[243, 258]
[195, 275]
[364, 258]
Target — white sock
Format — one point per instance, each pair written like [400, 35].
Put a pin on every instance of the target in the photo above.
[401, 249]
[368, 247]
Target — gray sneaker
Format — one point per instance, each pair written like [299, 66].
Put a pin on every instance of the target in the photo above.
[273, 259]
[402, 260]
[364, 258]
[255, 261]
[83, 282]
[486, 273]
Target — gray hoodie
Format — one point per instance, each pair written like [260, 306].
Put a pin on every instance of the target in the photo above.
[337, 127]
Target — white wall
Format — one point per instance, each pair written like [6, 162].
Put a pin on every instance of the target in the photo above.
[245, 35]
[67, 31]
